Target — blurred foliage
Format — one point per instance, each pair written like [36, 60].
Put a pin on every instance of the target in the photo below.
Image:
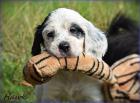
[19, 19]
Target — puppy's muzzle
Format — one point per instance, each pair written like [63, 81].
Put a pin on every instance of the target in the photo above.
[64, 47]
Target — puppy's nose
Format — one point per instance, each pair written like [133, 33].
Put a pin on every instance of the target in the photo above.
[64, 46]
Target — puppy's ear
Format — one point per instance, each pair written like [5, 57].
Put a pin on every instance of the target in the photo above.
[38, 38]
[95, 41]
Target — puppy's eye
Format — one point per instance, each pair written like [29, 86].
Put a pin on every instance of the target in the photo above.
[76, 30]
[73, 30]
[50, 34]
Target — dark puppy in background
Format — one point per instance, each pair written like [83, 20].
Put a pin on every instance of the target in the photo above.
[75, 87]
[123, 38]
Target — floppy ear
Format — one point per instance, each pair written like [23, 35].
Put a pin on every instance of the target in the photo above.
[38, 38]
[95, 41]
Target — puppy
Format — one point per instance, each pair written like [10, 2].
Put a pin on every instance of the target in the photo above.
[65, 33]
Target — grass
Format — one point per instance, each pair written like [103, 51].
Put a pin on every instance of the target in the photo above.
[19, 19]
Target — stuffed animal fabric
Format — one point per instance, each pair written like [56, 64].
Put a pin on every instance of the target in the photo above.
[121, 79]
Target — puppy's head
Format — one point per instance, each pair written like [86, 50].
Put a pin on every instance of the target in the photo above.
[65, 33]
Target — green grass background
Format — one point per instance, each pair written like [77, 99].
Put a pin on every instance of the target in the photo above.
[19, 19]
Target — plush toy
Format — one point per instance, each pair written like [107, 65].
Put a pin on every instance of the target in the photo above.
[121, 78]
[42, 67]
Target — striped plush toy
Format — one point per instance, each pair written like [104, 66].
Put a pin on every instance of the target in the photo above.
[121, 79]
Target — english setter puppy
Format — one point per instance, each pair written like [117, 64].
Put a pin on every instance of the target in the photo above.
[65, 33]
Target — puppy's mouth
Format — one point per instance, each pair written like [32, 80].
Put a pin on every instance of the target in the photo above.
[61, 54]
[65, 54]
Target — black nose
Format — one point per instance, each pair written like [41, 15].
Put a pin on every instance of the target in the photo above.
[64, 46]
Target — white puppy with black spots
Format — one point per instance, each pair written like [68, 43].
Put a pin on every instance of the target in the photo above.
[65, 33]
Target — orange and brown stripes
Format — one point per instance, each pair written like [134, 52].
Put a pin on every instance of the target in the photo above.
[33, 69]
[66, 63]
[121, 95]
[33, 76]
[90, 70]
[126, 72]
[39, 57]
[48, 65]
[102, 67]
[95, 69]
[42, 59]
[123, 62]
[69, 63]
[77, 61]
[101, 74]
[126, 59]
[109, 75]
[123, 78]
[133, 84]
